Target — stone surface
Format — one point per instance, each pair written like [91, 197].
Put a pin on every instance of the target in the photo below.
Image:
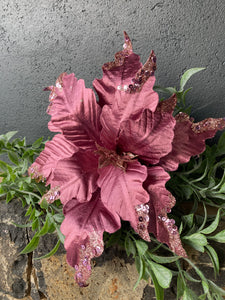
[113, 277]
[13, 266]
[40, 40]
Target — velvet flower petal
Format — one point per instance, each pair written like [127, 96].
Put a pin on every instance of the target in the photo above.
[151, 137]
[161, 202]
[76, 176]
[122, 192]
[83, 228]
[189, 139]
[126, 88]
[75, 112]
[56, 149]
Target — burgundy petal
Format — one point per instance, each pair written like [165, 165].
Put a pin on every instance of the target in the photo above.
[161, 202]
[83, 228]
[58, 148]
[76, 176]
[76, 113]
[151, 137]
[189, 139]
[122, 192]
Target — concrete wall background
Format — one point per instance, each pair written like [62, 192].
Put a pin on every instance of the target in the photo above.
[41, 39]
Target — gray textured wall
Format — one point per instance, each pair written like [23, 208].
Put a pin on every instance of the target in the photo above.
[41, 39]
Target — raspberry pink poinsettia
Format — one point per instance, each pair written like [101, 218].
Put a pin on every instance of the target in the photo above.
[110, 158]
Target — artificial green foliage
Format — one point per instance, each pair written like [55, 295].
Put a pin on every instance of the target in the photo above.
[15, 183]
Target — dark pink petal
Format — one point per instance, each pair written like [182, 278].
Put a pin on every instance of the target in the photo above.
[75, 113]
[189, 139]
[151, 137]
[58, 148]
[83, 228]
[127, 89]
[76, 176]
[122, 192]
[161, 202]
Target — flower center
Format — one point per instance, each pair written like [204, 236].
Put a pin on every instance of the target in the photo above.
[110, 157]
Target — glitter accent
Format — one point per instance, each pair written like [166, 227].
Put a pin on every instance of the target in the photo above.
[142, 211]
[168, 105]
[35, 174]
[79, 275]
[143, 74]
[52, 195]
[208, 124]
[98, 250]
[121, 55]
[125, 87]
[93, 246]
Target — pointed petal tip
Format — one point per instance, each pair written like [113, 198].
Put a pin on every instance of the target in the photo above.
[126, 37]
[127, 46]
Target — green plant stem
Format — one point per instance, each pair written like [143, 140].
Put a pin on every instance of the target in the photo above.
[28, 193]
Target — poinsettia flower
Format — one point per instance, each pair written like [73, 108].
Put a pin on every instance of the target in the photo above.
[109, 159]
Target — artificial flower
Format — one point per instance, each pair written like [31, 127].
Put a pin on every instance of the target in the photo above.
[110, 158]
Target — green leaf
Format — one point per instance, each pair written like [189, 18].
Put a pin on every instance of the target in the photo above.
[219, 237]
[129, 246]
[205, 286]
[13, 157]
[146, 272]
[181, 228]
[28, 211]
[214, 258]
[159, 291]
[190, 278]
[10, 134]
[189, 295]
[142, 247]
[52, 252]
[44, 204]
[60, 235]
[220, 149]
[32, 245]
[168, 90]
[188, 220]
[163, 259]
[35, 224]
[187, 75]
[163, 275]
[32, 215]
[196, 240]
[216, 289]
[3, 166]
[37, 143]
[22, 225]
[45, 228]
[187, 191]
[10, 196]
[181, 284]
[113, 239]
[59, 218]
[140, 268]
[51, 228]
[212, 227]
